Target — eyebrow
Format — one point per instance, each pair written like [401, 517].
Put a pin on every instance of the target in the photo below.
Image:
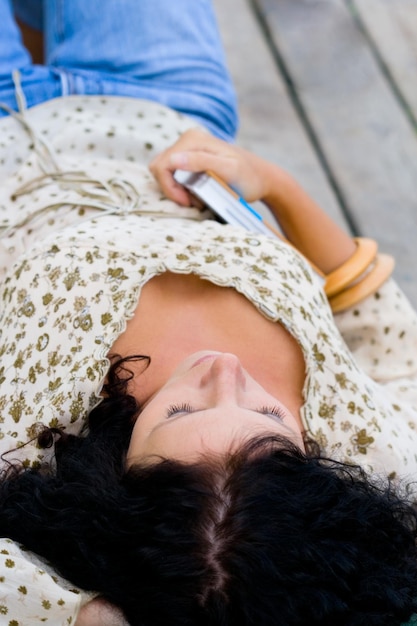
[190, 413]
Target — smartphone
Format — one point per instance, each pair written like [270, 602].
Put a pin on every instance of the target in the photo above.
[223, 201]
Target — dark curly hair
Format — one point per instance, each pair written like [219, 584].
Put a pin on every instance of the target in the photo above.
[266, 535]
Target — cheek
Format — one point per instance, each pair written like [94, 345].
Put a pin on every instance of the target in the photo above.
[298, 435]
[138, 438]
[145, 435]
[150, 383]
[133, 450]
[145, 444]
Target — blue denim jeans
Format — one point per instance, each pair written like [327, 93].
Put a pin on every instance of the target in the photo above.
[163, 50]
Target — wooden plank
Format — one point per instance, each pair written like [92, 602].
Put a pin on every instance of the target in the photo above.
[269, 124]
[362, 129]
[392, 27]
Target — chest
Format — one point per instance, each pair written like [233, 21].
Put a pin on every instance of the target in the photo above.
[181, 314]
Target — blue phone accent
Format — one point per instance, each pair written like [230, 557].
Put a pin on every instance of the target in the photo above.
[251, 209]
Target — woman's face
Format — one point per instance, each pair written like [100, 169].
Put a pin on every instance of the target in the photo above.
[209, 405]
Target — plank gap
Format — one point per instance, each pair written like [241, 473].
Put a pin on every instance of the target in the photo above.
[304, 119]
[380, 61]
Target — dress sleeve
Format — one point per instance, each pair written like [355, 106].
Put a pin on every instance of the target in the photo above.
[30, 593]
[381, 332]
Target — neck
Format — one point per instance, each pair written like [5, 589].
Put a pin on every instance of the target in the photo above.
[178, 315]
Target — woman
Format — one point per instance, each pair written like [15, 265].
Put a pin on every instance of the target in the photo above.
[198, 494]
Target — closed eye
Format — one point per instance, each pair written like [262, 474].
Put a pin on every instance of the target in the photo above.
[175, 409]
[276, 411]
[185, 407]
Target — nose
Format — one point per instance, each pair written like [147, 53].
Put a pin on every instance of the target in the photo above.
[225, 378]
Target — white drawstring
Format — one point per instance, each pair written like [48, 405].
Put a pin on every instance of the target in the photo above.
[114, 196]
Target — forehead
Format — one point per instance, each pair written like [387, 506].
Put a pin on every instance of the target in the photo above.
[213, 431]
[190, 444]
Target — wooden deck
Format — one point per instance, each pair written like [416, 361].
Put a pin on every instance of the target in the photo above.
[328, 89]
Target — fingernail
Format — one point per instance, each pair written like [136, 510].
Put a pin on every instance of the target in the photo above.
[179, 159]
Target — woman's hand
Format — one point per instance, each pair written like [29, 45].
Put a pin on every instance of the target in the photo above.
[197, 151]
[302, 221]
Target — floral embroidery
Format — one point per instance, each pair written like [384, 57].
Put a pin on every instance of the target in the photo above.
[361, 440]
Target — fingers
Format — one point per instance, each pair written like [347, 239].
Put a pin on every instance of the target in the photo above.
[195, 151]
[169, 185]
[225, 166]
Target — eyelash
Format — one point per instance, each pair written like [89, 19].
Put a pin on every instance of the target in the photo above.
[273, 410]
[185, 407]
[179, 408]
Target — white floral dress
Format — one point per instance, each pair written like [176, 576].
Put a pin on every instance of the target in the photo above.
[84, 227]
